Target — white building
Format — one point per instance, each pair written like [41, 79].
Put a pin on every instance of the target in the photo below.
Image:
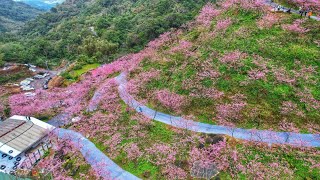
[19, 134]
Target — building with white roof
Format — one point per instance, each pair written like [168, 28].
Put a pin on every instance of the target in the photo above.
[19, 134]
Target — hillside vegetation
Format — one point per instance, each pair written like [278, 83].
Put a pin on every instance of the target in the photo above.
[14, 14]
[91, 31]
[243, 68]
[236, 64]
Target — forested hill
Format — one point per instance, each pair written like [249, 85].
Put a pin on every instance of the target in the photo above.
[97, 30]
[14, 14]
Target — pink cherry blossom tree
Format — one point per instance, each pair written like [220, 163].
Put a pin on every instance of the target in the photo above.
[158, 42]
[133, 152]
[56, 163]
[245, 4]
[170, 100]
[183, 47]
[231, 112]
[296, 27]
[222, 25]
[268, 20]
[312, 4]
[136, 84]
[207, 13]
[233, 59]
[288, 107]
[255, 74]
[307, 98]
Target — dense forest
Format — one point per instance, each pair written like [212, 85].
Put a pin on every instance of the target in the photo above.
[95, 31]
[14, 14]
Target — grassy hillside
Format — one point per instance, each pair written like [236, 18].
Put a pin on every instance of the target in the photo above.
[15, 14]
[100, 30]
[244, 68]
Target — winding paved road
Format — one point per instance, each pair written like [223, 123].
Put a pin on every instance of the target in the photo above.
[97, 159]
[270, 137]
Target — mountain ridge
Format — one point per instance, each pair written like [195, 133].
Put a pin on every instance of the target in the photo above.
[42, 4]
[15, 14]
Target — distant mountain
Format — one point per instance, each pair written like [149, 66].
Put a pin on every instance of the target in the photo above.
[42, 4]
[15, 14]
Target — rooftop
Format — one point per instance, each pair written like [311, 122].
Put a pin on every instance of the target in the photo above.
[20, 133]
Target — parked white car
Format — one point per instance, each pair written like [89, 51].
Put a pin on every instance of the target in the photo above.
[39, 76]
[25, 82]
[32, 69]
[27, 88]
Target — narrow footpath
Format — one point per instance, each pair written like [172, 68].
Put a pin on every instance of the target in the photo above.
[274, 5]
[101, 163]
[270, 137]
[97, 159]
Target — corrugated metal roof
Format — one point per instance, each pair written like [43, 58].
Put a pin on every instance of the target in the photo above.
[8, 126]
[18, 135]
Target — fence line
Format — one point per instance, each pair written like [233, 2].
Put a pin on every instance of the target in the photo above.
[34, 157]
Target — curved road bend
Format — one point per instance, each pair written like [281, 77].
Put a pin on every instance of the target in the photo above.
[93, 156]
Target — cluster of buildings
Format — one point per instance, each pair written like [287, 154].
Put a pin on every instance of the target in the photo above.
[29, 84]
[25, 85]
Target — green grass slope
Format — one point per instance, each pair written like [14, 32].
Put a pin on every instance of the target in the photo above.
[239, 70]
